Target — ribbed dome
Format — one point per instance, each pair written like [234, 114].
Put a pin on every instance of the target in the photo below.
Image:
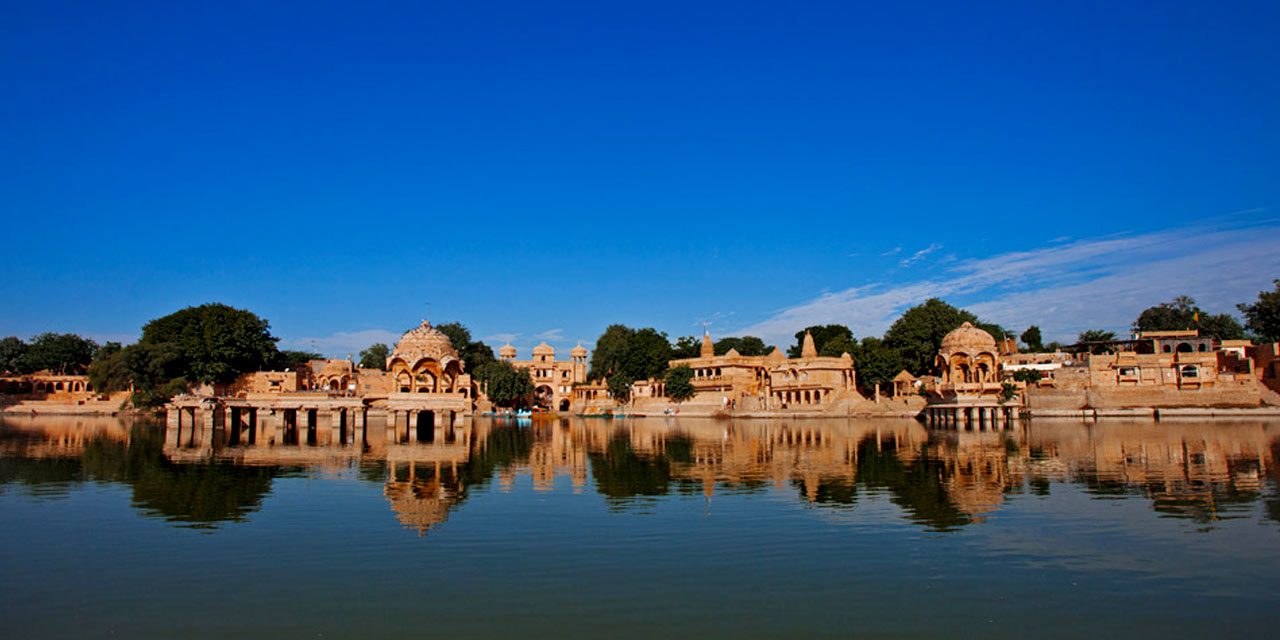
[544, 349]
[424, 342]
[967, 336]
[507, 351]
[579, 351]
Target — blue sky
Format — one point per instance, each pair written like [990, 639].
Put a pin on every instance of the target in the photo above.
[541, 170]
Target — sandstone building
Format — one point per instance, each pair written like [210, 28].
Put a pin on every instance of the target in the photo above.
[553, 380]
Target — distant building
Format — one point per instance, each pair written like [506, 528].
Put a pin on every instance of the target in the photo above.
[553, 380]
[773, 381]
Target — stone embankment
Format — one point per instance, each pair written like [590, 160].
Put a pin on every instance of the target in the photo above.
[116, 403]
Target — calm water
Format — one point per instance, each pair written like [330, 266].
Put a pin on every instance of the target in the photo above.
[654, 528]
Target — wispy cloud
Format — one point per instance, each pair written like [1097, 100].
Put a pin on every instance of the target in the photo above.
[550, 335]
[343, 342]
[1065, 288]
[892, 252]
[915, 257]
[501, 338]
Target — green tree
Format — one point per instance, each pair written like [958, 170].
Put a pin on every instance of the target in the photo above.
[646, 355]
[821, 335]
[59, 353]
[214, 342]
[838, 346]
[875, 362]
[918, 334]
[13, 355]
[154, 371]
[1029, 376]
[459, 336]
[620, 386]
[611, 346]
[1031, 337]
[1263, 316]
[292, 358]
[686, 347]
[507, 385]
[1096, 335]
[1182, 314]
[746, 346]
[679, 383]
[375, 357]
[474, 354]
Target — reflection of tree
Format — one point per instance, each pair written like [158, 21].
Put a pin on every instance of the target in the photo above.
[200, 495]
[620, 473]
[916, 486]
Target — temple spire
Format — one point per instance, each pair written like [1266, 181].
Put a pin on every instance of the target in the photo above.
[808, 350]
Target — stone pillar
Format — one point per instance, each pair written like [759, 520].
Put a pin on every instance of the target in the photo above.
[392, 417]
[362, 423]
[173, 425]
[277, 419]
[335, 427]
[206, 426]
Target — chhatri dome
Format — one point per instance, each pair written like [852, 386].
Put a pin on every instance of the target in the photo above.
[579, 352]
[544, 349]
[969, 337]
[424, 341]
[507, 351]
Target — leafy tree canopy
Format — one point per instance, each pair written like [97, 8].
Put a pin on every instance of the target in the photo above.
[620, 386]
[838, 346]
[292, 358]
[1263, 316]
[679, 383]
[13, 355]
[917, 335]
[746, 345]
[821, 335]
[214, 342]
[1031, 337]
[1182, 314]
[1096, 335]
[610, 348]
[507, 385]
[687, 347]
[375, 357]
[646, 355]
[474, 354]
[61, 353]
[876, 362]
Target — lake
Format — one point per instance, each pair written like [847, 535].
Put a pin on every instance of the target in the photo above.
[653, 527]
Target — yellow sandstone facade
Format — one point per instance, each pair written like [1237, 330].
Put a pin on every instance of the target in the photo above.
[553, 380]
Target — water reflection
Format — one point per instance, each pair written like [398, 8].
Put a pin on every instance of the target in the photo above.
[941, 480]
[50, 456]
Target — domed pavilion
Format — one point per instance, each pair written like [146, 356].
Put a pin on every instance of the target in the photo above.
[430, 390]
[969, 394]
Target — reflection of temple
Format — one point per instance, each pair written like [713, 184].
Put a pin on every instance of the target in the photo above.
[57, 436]
[941, 479]
[421, 494]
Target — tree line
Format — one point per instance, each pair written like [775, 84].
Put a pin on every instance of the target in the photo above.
[216, 343]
